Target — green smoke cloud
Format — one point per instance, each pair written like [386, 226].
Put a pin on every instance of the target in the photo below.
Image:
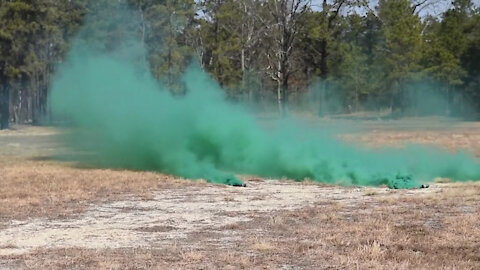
[124, 118]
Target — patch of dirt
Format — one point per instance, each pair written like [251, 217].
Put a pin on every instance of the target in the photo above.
[295, 226]
[135, 223]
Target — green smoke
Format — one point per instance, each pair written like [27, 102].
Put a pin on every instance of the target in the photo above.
[124, 118]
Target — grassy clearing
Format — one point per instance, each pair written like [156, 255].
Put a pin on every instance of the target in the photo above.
[435, 228]
[412, 232]
[48, 189]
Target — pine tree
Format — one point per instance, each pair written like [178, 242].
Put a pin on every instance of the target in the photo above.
[163, 27]
[401, 50]
[33, 38]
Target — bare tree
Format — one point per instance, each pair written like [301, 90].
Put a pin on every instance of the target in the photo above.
[286, 19]
[432, 7]
[252, 31]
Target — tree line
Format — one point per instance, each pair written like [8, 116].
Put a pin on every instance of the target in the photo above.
[342, 52]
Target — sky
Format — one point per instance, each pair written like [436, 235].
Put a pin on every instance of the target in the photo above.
[431, 7]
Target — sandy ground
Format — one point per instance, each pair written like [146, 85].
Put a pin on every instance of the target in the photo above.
[171, 215]
[270, 224]
[167, 218]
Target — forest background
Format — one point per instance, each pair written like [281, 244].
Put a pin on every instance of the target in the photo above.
[401, 57]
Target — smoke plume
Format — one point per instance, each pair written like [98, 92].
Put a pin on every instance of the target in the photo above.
[124, 118]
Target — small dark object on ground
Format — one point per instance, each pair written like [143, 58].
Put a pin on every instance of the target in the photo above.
[233, 181]
[240, 185]
[425, 186]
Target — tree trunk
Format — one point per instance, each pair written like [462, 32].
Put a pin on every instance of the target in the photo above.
[448, 109]
[4, 106]
[282, 87]
[284, 96]
[242, 34]
[356, 98]
[322, 110]
[36, 93]
[357, 94]
[279, 97]
[323, 75]
[323, 59]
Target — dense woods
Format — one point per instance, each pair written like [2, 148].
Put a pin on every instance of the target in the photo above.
[343, 56]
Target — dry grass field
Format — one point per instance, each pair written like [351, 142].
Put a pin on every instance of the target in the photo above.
[56, 215]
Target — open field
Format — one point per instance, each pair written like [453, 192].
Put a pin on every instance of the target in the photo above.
[56, 215]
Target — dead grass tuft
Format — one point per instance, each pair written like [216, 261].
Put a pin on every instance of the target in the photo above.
[262, 246]
[371, 192]
[229, 199]
[192, 256]
[443, 180]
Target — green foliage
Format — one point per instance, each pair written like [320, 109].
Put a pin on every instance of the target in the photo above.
[401, 50]
[223, 42]
[34, 36]
[353, 75]
[371, 57]
[162, 28]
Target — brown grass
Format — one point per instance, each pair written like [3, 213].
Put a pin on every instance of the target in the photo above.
[408, 233]
[464, 139]
[413, 232]
[262, 246]
[47, 189]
